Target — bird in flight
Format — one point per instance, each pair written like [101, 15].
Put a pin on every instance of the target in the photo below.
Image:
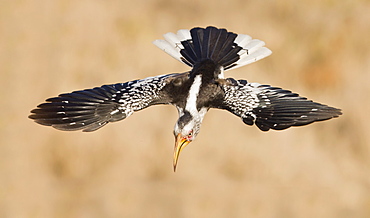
[209, 52]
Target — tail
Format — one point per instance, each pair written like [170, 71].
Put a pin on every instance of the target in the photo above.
[227, 49]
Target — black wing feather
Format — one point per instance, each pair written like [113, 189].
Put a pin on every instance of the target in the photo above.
[273, 108]
[91, 109]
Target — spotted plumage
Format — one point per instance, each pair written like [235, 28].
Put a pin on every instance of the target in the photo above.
[209, 51]
[91, 109]
[272, 108]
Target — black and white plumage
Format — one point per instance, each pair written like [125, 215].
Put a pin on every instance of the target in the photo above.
[91, 109]
[209, 51]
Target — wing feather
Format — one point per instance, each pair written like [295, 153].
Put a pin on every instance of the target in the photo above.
[91, 109]
[272, 108]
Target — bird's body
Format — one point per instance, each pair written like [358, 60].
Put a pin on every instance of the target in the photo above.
[209, 52]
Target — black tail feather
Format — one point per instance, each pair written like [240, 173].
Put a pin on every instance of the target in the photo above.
[224, 48]
[211, 43]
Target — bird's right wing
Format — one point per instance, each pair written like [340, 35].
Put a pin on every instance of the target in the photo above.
[272, 108]
[91, 109]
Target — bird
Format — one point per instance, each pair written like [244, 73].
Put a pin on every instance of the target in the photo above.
[209, 51]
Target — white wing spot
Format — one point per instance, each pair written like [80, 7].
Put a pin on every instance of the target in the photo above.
[114, 112]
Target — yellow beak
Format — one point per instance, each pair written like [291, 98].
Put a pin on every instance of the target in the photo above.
[180, 143]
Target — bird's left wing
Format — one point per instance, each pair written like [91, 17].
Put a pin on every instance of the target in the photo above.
[91, 109]
[272, 108]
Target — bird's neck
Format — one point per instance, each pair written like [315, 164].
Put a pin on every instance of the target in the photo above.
[191, 100]
[192, 106]
[203, 75]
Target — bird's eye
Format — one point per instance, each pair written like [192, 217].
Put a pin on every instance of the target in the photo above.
[190, 133]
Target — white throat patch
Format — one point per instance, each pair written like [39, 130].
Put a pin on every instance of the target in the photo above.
[191, 101]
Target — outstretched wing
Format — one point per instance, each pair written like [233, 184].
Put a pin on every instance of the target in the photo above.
[91, 109]
[272, 108]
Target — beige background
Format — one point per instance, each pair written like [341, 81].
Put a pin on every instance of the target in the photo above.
[320, 50]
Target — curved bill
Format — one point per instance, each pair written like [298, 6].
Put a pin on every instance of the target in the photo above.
[180, 143]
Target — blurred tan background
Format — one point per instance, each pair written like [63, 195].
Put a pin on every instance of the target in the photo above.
[321, 49]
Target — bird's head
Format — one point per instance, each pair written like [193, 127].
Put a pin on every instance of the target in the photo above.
[186, 130]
